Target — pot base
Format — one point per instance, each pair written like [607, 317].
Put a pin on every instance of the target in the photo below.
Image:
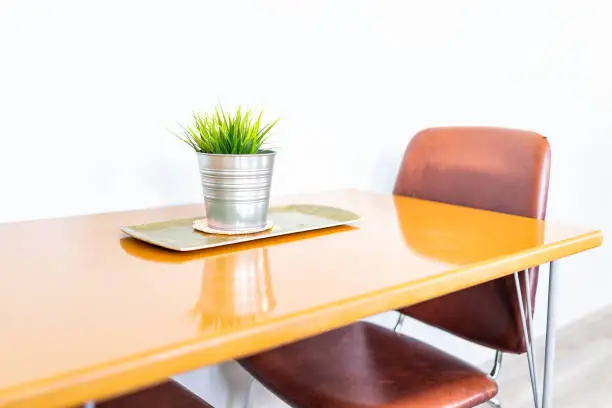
[202, 226]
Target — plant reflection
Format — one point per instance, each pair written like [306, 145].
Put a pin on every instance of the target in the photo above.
[236, 289]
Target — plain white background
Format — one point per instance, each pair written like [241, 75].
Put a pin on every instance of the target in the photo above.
[88, 91]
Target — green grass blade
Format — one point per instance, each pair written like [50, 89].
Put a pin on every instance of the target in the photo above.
[222, 132]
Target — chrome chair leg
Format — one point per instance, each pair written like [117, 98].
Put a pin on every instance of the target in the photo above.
[528, 343]
[247, 396]
[400, 322]
[528, 301]
[530, 312]
[549, 358]
[530, 329]
[496, 364]
[494, 403]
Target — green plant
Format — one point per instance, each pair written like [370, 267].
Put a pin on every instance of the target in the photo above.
[221, 132]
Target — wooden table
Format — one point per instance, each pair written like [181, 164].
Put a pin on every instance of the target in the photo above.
[87, 313]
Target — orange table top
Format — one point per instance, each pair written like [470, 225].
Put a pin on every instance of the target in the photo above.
[87, 313]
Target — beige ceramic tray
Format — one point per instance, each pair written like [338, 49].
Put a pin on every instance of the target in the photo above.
[179, 235]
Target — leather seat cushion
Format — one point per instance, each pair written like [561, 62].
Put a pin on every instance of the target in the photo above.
[364, 365]
[165, 395]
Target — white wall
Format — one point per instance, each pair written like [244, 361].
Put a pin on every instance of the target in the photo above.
[87, 90]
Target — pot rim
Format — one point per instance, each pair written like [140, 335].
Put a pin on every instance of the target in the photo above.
[265, 152]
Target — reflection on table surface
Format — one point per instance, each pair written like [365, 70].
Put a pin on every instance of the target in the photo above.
[235, 289]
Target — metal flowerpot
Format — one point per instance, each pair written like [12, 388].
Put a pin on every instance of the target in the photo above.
[236, 189]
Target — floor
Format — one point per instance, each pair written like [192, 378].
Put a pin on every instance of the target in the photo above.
[582, 367]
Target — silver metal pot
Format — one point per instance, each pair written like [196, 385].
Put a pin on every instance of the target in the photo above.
[236, 189]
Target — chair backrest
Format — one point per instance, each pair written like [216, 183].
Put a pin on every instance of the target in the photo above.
[495, 169]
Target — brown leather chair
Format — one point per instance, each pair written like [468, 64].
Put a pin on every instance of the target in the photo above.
[363, 365]
[169, 394]
[494, 169]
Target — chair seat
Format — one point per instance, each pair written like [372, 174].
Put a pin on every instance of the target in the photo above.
[367, 366]
[165, 395]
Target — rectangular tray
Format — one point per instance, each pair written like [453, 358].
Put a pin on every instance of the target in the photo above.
[179, 235]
